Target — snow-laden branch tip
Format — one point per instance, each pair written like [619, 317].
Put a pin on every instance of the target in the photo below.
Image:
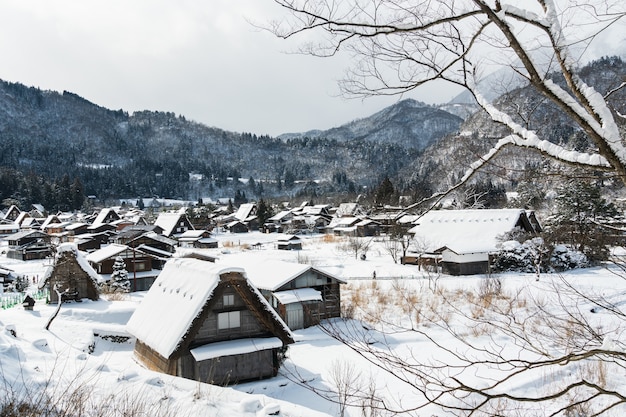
[526, 138]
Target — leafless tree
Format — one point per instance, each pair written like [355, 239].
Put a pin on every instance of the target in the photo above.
[356, 245]
[399, 45]
[397, 243]
[60, 302]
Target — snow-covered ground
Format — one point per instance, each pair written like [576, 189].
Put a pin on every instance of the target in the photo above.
[80, 355]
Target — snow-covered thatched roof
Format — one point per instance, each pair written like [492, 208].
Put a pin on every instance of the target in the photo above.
[245, 210]
[235, 347]
[296, 296]
[70, 248]
[104, 214]
[465, 231]
[177, 298]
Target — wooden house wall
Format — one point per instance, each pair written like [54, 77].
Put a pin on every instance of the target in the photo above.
[141, 283]
[106, 266]
[145, 240]
[332, 301]
[238, 228]
[311, 314]
[208, 331]
[153, 360]
[468, 268]
[30, 253]
[228, 370]
[328, 287]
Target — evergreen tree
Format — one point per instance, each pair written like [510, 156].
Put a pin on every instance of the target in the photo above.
[63, 194]
[240, 198]
[580, 220]
[263, 212]
[77, 192]
[119, 278]
[290, 178]
[252, 185]
[384, 193]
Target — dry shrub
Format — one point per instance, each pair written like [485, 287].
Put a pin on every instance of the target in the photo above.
[117, 296]
[329, 238]
[594, 371]
[382, 298]
[78, 399]
[480, 329]
[245, 246]
[347, 311]
[358, 299]
[409, 302]
[489, 289]
[228, 244]
[418, 316]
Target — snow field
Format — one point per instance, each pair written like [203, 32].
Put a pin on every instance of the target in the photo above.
[423, 319]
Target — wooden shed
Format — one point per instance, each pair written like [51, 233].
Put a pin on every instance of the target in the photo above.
[289, 242]
[301, 294]
[206, 322]
[72, 275]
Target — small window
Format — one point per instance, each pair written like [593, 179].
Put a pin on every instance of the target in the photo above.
[229, 300]
[139, 266]
[229, 320]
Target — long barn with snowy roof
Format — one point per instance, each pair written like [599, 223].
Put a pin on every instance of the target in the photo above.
[460, 241]
[206, 322]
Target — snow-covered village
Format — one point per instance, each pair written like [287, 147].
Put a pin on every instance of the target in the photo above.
[198, 219]
[298, 317]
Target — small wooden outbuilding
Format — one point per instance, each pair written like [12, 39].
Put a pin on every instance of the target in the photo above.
[289, 243]
[72, 275]
[206, 322]
[301, 294]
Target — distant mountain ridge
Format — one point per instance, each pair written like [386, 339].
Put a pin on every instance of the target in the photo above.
[408, 123]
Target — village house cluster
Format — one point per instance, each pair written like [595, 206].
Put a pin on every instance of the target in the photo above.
[204, 319]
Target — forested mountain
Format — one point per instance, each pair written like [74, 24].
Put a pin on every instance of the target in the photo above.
[47, 135]
[59, 144]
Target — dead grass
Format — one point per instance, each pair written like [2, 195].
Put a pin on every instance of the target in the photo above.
[116, 296]
[424, 305]
[330, 238]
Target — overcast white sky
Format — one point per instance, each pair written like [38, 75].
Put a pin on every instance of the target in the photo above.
[198, 58]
